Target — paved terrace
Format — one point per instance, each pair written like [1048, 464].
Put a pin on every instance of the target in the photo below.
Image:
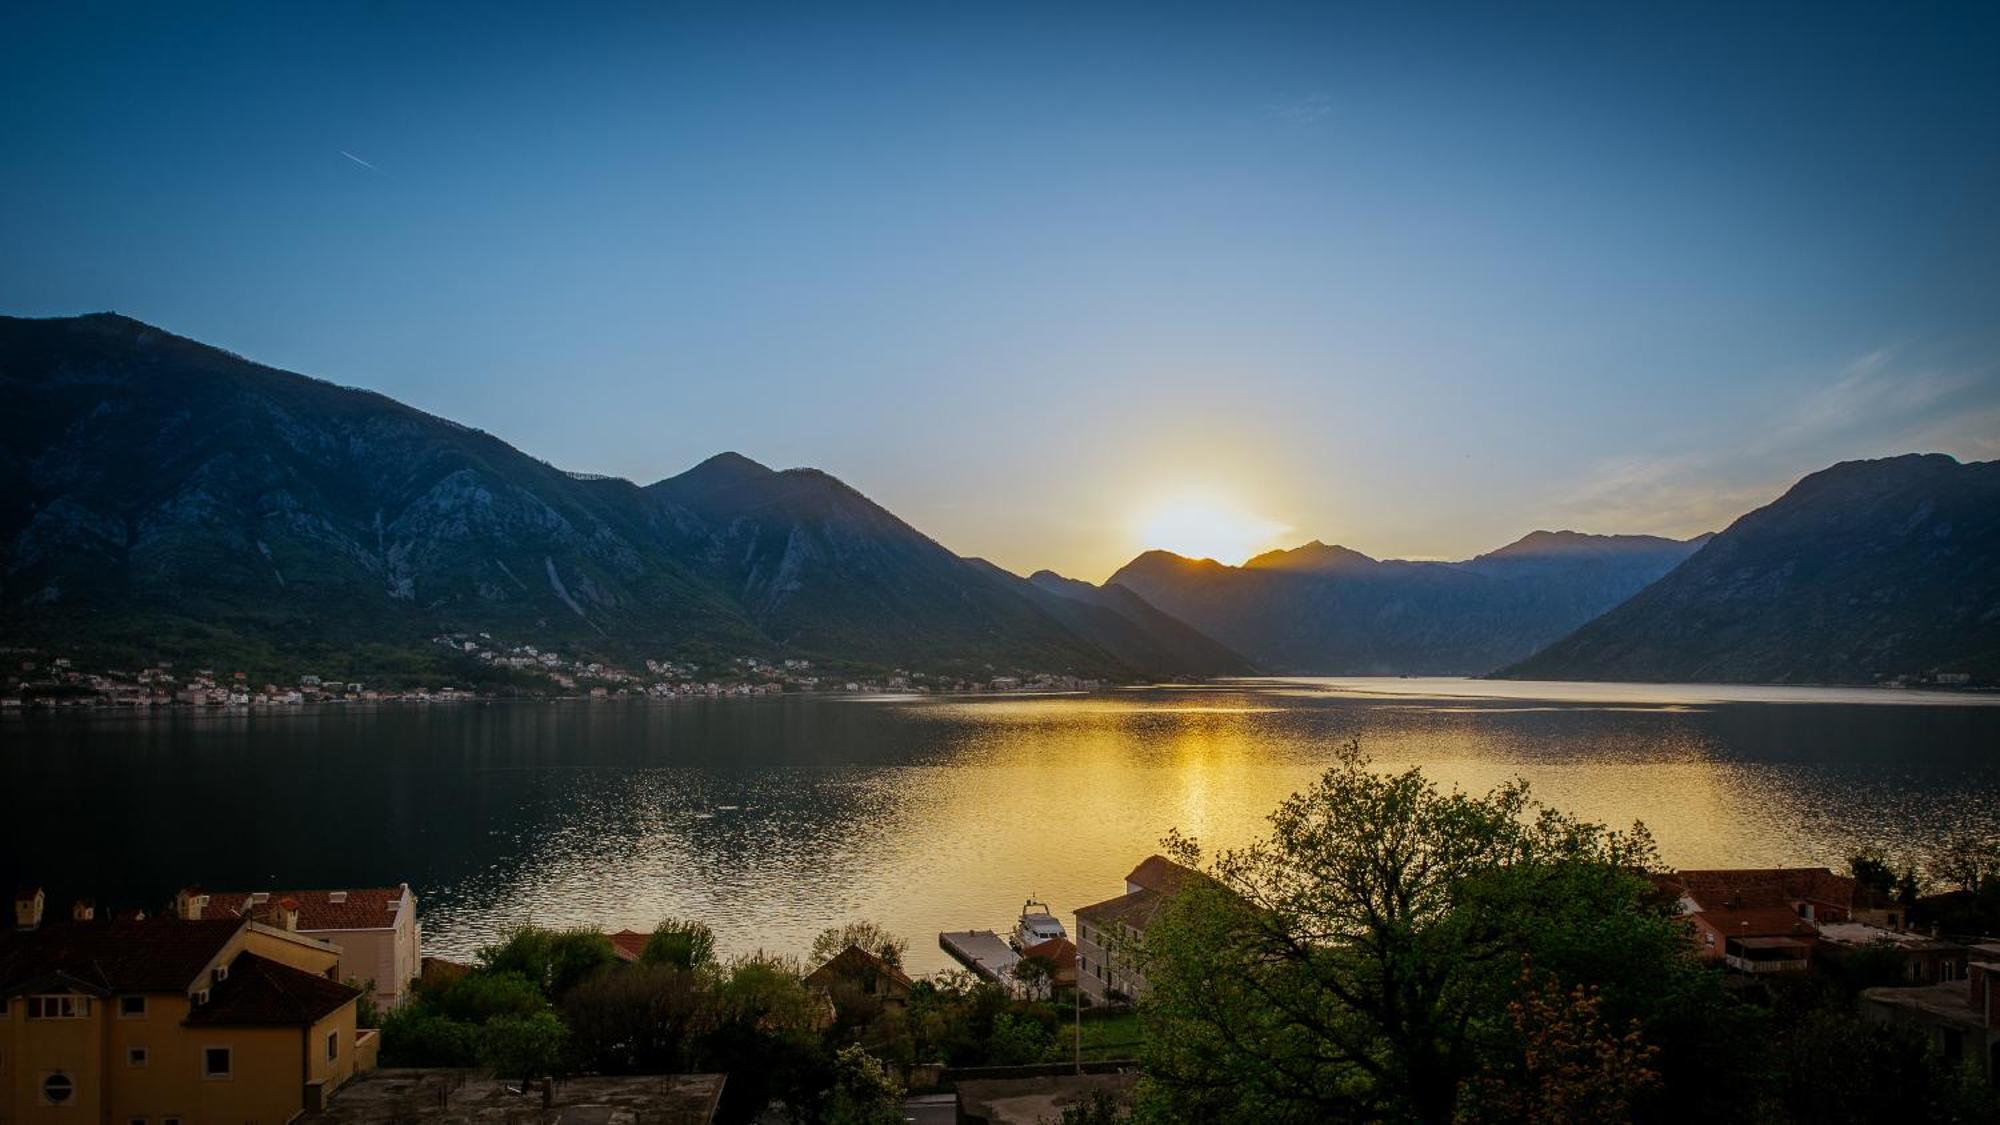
[463, 1097]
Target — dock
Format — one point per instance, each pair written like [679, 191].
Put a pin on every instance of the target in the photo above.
[984, 952]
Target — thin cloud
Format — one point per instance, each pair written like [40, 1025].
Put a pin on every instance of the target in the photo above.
[362, 162]
[1877, 406]
[1305, 109]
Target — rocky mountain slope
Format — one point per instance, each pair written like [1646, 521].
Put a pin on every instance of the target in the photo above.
[1866, 571]
[163, 498]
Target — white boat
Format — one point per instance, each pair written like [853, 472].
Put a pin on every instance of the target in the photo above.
[1037, 925]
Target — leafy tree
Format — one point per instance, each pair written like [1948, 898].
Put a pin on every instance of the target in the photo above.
[1360, 962]
[529, 1046]
[1035, 974]
[1569, 1064]
[1839, 1069]
[367, 1013]
[1017, 1038]
[680, 943]
[412, 1035]
[1096, 1108]
[555, 961]
[862, 1092]
[635, 1021]
[868, 936]
[480, 996]
[762, 1025]
[1965, 862]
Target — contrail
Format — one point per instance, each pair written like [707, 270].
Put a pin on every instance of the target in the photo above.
[361, 162]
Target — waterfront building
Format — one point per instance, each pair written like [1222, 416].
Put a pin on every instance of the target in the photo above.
[1107, 932]
[374, 929]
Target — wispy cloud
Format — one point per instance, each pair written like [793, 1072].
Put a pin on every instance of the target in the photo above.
[362, 162]
[1304, 109]
[1876, 406]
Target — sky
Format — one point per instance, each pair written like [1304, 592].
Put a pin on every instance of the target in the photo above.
[1057, 285]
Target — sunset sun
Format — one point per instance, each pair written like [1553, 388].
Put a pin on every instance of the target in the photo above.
[1204, 526]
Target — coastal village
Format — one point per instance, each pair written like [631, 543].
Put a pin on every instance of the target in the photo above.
[34, 680]
[267, 1006]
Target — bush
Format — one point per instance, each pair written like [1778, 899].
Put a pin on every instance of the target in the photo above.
[413, 1036]
[680, 943]
[637, 1020]
[555, 961]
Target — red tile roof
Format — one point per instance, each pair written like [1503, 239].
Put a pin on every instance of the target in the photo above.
[1761, 886]
[154, 955]
[1158, 873]
[628, 944]
[260, 991]
[1758, 921]
[856, 964]
[369, 908]
[1135, 910]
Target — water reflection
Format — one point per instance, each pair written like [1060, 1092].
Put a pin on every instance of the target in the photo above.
[773, 819]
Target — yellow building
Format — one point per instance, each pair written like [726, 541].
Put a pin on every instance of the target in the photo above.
[169, 1022]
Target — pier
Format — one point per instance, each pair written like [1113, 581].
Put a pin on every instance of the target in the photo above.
[984, 952]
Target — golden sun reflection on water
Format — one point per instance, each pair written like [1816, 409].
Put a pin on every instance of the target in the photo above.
[1057, 797]
[774, 819]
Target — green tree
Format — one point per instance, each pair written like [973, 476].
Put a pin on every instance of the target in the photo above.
[413, 1035]
[680, 943]
[762, 1026]
[861, 1092]
[870, 937]
[555, 961]
[1360, 961]
[639, 1020]
[529, 1046]
[1568, 1062]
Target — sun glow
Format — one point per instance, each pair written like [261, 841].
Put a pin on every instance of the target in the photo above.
[1203, 526]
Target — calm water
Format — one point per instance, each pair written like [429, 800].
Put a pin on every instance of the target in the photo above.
[772, 819]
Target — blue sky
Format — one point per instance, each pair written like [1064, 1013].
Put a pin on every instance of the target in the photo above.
[1416, 280]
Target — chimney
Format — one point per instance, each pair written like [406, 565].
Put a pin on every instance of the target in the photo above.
[288, 913]
[83, 911]
[28, 903]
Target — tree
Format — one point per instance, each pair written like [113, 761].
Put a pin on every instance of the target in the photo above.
[1360, 961]
[681, 943]
[1965, 862]
[870, 937]
[1036, 976]
[862, 1092]
[762, 1025]
[1569, 1064]
[530, 1046]
[555, 961]
[635, 1021]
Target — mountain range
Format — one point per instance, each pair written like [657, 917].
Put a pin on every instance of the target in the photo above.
[1334, 611]
[164, 499]
[160, 497]
[1869, 570]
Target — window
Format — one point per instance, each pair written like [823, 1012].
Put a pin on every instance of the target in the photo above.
[332, 1045]
[135, 1056]
[131, 1007]
[221, 973]
[57, 1088]
[215, 1062]
[62, 1007]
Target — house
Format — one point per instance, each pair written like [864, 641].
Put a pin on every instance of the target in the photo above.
[854, 973]
[629, 945]
[1961, 1017]
[1924, 960]
[1058, 956]
[169, 1021]
[1760, 920]
[1107, 931]
[374, 929]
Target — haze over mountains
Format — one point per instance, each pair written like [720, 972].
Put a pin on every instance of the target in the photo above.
[1334, 611]
[160, 498]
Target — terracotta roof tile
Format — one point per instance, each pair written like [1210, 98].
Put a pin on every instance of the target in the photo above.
[628, 944]
[368, 908]
[260, 991]
[154, 955]
[855, 963]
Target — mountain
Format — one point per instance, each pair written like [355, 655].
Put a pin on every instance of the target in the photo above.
[160, 498]
[1131, 628]
[1865, 571]
[1330, 610]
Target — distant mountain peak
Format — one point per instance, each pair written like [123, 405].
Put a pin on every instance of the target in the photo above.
[1554, 544]
[1314, 556]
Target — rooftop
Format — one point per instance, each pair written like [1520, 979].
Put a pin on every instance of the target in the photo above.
[261, 991]
[154, 955]
[366, 908]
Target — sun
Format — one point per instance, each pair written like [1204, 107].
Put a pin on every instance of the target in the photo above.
[1206, 526]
